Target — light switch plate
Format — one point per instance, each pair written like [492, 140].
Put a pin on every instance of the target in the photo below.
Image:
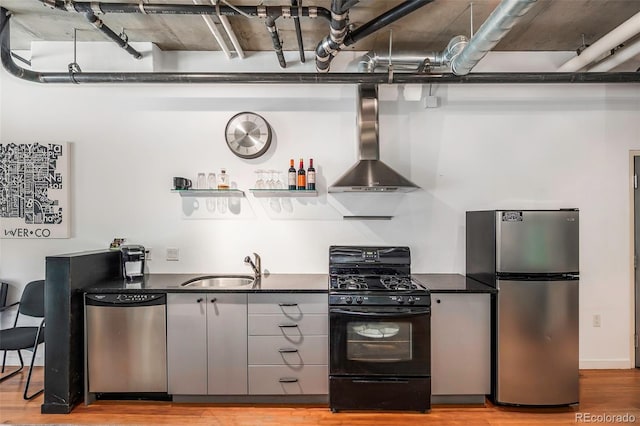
[173, 254]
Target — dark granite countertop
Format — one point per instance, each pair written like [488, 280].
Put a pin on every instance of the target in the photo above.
[452, 283]
[170, 283]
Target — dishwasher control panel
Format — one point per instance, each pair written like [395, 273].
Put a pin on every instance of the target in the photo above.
[125, 299]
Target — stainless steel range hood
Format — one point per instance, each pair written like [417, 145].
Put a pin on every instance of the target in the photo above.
[370, 174]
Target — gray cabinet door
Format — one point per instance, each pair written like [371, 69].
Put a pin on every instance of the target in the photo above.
[460, 344]
[227, 344]
[187, 343]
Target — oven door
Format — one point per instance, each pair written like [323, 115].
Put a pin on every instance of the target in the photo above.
[380, 340]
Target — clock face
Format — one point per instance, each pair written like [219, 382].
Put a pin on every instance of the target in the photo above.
[248, 135]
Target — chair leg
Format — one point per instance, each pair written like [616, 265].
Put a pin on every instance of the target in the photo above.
[4, 359]
[26, 387]
[13, 373]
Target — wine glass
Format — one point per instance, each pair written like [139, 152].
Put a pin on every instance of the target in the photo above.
[270, 182]
[260, 181]
[278, 183]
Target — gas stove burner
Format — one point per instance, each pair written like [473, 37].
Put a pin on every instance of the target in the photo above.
[396, 283]
[351, 282]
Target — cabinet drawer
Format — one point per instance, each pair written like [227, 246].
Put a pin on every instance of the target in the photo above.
[282, 325]
[290, 304]
[282, 380]
[278, 350]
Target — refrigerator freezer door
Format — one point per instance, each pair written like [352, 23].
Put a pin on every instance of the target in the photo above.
[537, 241]
[537, 342]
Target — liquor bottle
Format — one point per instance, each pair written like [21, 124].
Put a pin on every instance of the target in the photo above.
[311, 176]
[302, 178]
[292, 175]
[223, 179]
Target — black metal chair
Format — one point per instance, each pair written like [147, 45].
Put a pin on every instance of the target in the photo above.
[25, 337]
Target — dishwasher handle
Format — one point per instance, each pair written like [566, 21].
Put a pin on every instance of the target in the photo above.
[125, 299]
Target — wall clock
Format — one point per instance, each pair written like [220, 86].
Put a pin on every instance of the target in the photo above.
[248, 135]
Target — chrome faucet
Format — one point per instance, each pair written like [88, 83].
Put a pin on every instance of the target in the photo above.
[257, 266]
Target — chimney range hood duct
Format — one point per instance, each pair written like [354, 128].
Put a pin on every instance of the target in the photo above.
[370, 174]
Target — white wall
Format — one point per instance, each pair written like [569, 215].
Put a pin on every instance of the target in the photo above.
[484, 147]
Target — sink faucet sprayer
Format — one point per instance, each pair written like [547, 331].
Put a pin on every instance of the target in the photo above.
[257, 266]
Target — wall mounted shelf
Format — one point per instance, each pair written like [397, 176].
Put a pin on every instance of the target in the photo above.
[264, 193]
[209, 192]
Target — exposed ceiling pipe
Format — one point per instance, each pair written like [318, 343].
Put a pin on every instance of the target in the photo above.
[213, 28]
[111, 35]
[296, 21]
[275, 39]
[323, 61]
[497, 25]
[330, 45]
[232, 35]
[413, 60]
[196, 9]
[290, 78]
[186, 9]
[620, 56]
[616, 37]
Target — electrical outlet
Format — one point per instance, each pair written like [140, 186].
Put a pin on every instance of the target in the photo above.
[173, 254]
[431, 101]
[597, 321]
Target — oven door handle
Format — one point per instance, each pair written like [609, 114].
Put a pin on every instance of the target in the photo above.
[404, 313]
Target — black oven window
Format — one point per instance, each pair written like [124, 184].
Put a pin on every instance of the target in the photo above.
[379, 341]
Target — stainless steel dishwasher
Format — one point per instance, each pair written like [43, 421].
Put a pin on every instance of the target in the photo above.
[126, 342]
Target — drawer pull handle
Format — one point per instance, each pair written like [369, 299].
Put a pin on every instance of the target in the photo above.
[287, 304]
[287, 350]
[287, 325]
[199, 300]
[214, 300]
[288, 380]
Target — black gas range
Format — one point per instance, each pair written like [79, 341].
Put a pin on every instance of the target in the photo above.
[380, 350]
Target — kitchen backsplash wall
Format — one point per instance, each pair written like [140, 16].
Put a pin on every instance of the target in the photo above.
[483, 147]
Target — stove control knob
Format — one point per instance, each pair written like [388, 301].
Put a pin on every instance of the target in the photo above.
[348, 300]
[411, 300]
[359, 300]
[400, 300]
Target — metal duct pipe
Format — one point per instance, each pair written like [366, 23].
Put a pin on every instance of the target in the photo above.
[327, 49]
[270, 22]
[413, 60]
[104, 29]
[499, 23]
[616, 37]
[292, 78]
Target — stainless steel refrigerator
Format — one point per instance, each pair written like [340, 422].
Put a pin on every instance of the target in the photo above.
[531, 257]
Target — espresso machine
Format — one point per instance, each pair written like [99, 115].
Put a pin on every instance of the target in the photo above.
[132, 262]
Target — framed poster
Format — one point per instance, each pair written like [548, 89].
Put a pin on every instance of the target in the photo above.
[34, 190]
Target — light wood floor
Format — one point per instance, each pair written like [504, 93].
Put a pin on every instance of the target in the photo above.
[602, 392]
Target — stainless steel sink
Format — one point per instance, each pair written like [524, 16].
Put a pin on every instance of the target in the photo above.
[220, 281]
